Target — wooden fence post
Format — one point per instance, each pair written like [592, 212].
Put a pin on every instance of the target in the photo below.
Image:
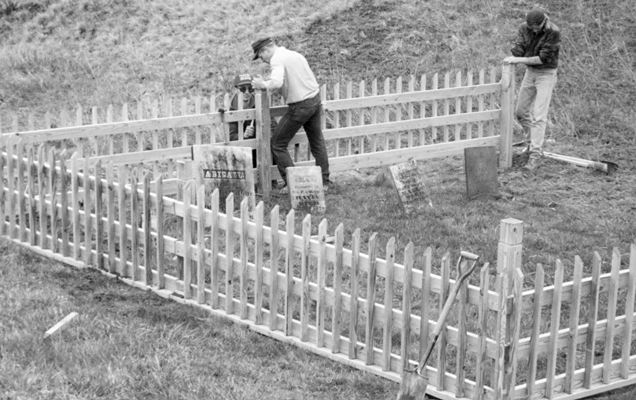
[263, 136]
[508, 263]
[507, 110]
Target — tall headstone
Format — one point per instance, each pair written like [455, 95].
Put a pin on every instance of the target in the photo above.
[227, 168]
[409, 185]
[480, 165]
[305, 189]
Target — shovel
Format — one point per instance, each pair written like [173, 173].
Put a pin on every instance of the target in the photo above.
[413, 385]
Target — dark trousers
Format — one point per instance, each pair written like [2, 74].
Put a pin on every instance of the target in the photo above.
[307, 114]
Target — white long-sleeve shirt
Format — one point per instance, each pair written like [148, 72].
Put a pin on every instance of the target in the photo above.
[292, 75]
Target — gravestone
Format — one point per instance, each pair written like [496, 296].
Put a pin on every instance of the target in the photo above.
[409, 184]
[305, 189]
[227, 168]
[480, 165]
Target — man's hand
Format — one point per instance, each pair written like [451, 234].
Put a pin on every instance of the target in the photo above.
[249, 132]
[258, 83]
[512, 60]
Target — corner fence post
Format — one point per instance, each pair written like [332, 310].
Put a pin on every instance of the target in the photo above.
[263, 137]
[509, 262]
[507, 110]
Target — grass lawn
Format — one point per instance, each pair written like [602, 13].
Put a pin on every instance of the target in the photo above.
[129, 344]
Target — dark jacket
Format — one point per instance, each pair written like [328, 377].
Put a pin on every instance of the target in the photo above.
[249, 101]
[544, 44]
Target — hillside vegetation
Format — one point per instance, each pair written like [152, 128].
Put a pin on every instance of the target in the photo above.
[55, 54]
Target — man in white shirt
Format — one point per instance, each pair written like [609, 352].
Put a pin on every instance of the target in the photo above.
[290, 73]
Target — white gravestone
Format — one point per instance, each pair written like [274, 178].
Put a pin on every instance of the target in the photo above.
[409, 185]
[305, 189]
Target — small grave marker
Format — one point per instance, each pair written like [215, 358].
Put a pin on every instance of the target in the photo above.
[480, 165]
[227, 168]
[305, 189]
[409, 184]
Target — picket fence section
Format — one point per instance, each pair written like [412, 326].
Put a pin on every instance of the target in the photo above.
[343, 302]
[365, 125]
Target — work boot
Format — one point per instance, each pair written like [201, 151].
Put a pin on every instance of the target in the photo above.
[533, 161]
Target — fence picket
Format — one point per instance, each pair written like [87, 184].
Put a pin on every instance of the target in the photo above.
[201, 244]
[575, 308]
[554, 330]
[425, 303]
[88, 237]
[434, 106]
[274, 248]
[161, 269]
[146, 206]
[590, 336]
[337, 289]
[482, 357]
[99, 222]
[370, 309]
[406, 306]
[134, 228]
[480, 103]
[388, 305]
[243, 284]
[469, 105]
[30, 199]
[461, 334]
[289, 286]
[215, 237]
[515, 329]
[11, 190]
[64, 207]
[229, 253]
[361, 121]
[259, 257]
[3, 197]
[43, 218]
[629, 314]
[611, 316]
[458, 104]
[536, 329]
[441, 342]
[110, 211]
[353, 305]
[121, 198]
[75, 209]
[321, 282]
[53, 197]
[446, 106]
[187, 240]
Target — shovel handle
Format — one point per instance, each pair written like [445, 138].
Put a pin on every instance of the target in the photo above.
[447, 306]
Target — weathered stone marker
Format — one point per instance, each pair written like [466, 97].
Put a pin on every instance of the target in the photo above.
[227, 168]
[480, 165]
[305, 189]
[409, 185]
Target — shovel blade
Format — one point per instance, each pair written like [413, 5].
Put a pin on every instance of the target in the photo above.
[412, 387]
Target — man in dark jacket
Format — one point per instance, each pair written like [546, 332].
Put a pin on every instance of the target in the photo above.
[537, 46]
[243, 83]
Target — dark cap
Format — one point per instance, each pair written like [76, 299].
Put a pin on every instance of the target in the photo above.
[535, 16]
[242, 80]
[259, 44]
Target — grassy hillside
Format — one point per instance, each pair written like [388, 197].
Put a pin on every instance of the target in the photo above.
[57, 53]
